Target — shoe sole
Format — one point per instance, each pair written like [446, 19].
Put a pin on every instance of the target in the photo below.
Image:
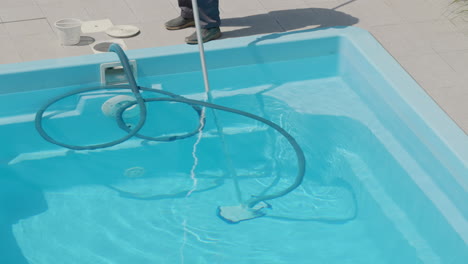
[193, 42]
[190, 24]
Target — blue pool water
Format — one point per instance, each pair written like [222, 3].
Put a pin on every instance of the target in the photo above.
[383, 183]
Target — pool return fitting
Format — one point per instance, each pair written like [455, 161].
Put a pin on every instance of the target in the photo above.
[245, 210]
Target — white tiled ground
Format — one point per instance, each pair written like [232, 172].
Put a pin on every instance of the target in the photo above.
[426, 36]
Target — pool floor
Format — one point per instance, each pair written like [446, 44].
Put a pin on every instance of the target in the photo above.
[87, 206]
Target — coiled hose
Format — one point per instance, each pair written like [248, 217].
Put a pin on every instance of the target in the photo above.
[141, 102]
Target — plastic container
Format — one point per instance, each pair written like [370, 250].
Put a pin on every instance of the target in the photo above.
[69, 31]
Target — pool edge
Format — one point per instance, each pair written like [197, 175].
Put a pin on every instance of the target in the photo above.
[414, 95]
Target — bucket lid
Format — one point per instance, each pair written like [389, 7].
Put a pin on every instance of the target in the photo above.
[122, 31]
[68, 23]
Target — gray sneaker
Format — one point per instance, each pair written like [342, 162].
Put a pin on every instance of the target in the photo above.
[179, 23]
[207, 35]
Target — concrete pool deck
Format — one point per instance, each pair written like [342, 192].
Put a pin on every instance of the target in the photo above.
[425, 36]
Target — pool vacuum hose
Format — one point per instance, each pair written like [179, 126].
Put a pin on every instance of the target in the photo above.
[246, 210]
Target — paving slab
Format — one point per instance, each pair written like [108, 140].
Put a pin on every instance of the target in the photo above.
[151, 10]
[19, 10]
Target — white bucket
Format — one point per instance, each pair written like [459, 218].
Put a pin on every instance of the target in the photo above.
[69, 31]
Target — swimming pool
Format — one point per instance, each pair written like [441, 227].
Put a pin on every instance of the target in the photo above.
[386, 170]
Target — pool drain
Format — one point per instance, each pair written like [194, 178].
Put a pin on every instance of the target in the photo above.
[134, 172]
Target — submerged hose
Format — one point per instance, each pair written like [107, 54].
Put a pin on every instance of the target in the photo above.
[140, 101]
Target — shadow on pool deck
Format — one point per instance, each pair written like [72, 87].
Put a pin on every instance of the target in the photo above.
[286, 20]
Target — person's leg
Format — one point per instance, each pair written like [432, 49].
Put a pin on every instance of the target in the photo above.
[209, 13]
[185, 19]
[186, 10]
[209, 21]
[208, 10]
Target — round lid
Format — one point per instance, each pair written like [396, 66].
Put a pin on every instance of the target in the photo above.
[122, 31]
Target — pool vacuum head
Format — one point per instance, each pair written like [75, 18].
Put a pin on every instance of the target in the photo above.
[237, 213]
